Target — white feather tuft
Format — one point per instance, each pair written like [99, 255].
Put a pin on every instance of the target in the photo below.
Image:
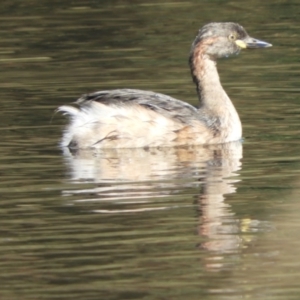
[68, 110]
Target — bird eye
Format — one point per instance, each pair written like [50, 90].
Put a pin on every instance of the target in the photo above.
[232, 37]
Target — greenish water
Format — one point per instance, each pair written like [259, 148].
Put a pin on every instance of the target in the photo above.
[211, 223]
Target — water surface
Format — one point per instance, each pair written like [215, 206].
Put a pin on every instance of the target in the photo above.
[218, 222]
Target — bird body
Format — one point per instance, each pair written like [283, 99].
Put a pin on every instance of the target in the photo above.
[129, 118]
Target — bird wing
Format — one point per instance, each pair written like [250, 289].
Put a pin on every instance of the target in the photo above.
[161, 104]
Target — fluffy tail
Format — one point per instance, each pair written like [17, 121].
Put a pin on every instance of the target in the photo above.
[72, 113]
[67, 110]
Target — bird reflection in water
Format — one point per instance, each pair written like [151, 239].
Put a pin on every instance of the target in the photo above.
[134, 178]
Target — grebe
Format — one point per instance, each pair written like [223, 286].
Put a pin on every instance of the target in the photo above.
[129, 118]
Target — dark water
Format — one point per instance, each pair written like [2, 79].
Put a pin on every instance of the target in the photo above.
[203, 223]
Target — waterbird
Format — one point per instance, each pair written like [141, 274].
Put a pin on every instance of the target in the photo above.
[132, 118]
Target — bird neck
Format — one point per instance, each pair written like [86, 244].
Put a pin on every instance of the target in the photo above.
[213, 99]
[207, 80]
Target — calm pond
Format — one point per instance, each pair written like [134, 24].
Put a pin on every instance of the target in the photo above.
[219, 222]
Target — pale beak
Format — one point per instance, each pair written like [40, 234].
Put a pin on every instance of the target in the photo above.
[252, 43]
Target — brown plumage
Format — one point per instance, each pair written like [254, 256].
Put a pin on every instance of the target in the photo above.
[128, 118]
